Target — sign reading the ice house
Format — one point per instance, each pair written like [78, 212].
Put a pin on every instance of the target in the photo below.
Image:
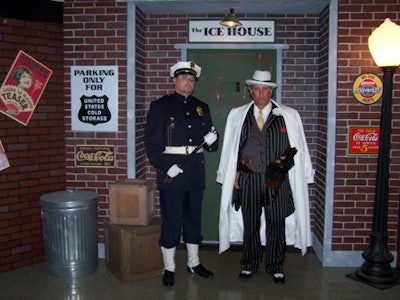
[251, 31]
[94, 98]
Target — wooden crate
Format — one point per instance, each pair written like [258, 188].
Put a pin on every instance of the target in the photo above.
[131, 202]
[132, 252]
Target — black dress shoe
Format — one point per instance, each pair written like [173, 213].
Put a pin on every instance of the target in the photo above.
[168, 278]
[244, 274]
[278, 278]
[200, 270]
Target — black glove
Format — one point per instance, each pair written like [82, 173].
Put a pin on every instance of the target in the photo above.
[288, 162]
[276, 172]
[236, 199]
[273, 170]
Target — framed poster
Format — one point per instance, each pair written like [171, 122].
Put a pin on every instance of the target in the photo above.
[23, 87]
[4, 164]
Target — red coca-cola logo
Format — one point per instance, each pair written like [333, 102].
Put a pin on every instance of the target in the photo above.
[366, 137]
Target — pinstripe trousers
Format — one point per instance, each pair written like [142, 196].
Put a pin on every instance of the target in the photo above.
[253, 198]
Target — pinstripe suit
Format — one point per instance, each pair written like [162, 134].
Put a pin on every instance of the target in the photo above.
[298, 228]
[254, 195]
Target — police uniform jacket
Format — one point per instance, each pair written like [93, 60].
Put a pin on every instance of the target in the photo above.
[176, 121]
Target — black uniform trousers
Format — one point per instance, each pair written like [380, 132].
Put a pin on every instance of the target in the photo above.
[253, 199]
[181, 217]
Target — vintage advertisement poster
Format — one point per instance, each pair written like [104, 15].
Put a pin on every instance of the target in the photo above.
[4, 164]
[94, 98]
[364, 140]
[97, 156]
[367, 88]
[23, 87]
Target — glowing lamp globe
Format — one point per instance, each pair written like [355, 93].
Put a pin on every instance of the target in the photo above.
[384, 44]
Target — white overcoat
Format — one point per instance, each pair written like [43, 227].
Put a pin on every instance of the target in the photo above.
[298, 228]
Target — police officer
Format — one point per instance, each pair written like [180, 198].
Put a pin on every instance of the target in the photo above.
[176, 125]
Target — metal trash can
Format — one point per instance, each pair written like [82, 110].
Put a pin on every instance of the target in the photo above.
[69, 221]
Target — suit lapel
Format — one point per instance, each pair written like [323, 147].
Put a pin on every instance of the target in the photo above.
[245, 129]
[271, 116]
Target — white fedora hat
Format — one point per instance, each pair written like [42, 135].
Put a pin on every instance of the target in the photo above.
[263, 78]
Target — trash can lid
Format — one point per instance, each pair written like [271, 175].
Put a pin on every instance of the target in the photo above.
[69, 198]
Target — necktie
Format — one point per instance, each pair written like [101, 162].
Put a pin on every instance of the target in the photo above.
[260, 121]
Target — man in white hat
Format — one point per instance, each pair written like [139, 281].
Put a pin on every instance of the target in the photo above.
[176, 125]
[256, 137]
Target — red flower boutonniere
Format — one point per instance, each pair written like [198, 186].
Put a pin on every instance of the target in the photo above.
[283, 129]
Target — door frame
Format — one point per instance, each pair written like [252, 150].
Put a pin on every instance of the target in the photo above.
[277, 65]
[220, 46]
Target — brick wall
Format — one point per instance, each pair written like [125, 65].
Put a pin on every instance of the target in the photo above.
[305, 82]
[35, 151]
[142, 168]
[95, 33]
[355, 174]
[156, 36]
[320, 128]
[300, 74]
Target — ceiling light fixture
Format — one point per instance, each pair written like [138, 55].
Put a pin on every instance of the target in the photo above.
[231, 20]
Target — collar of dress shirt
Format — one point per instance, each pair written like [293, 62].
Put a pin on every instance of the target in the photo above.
[266, 111]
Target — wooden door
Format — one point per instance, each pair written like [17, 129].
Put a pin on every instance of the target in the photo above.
[222, 86]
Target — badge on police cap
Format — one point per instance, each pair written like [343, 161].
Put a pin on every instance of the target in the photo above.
[185, 67]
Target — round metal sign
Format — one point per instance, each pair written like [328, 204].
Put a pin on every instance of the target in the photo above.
[367, 88]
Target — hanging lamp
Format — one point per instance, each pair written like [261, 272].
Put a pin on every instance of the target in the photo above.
[231, 20]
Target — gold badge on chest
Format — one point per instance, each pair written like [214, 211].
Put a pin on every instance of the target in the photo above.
[199, 111]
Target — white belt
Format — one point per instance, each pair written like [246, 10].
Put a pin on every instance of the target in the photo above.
[185, 150]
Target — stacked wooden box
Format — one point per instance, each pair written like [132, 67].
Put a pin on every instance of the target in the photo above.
[132, 232]
[131, 202]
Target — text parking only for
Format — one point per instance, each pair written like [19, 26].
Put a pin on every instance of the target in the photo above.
[94, 98]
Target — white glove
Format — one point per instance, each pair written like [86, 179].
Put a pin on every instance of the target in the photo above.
[211, 137]
[174, 171]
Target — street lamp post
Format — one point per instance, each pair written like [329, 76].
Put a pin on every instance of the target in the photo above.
[384, 45]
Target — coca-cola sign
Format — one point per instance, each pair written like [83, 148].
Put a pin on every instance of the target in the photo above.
[364, 140]
[100, 156]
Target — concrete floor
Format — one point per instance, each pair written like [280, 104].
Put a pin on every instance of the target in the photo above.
[305, 279]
